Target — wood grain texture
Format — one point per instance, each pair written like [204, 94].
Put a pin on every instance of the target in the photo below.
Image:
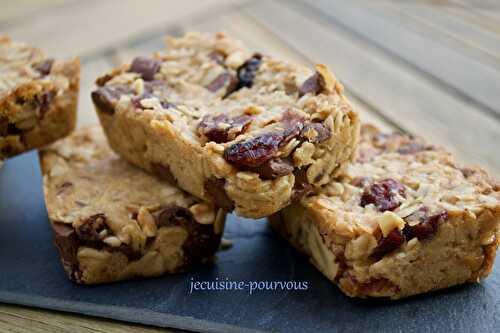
[25, 320]
[413, 102]
[468, 79]
[88, 27]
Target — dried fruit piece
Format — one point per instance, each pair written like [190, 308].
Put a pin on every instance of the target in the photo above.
[247, 71]
[106, 97]
[225, 80]
[147, 67]
[217, 56]
[89, 230]
[383, 194]
[427, 225]
[388, 244]
[301, 187]
[321, 81]
[274, 168]
[315, 132]
[412, 148]
[163, 172]
[215, 188]
[44, 67]
[223, 128]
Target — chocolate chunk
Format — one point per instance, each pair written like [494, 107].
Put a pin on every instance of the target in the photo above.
[90, 229]
[101, 81]
[66, 241]
[301, 187]
[388, 244]
[225, 80]
[247, 71]
[315, 132]
[427, 226]
[105, 97]
[383, 194]
[44, 67]
[4, 125]
[311, 85]
[164, 172]
[218, 57]
[201, 237]
[223, 128]
[215, 188]
[147, 67]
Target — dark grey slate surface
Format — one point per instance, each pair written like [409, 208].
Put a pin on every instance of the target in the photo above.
[30, 274]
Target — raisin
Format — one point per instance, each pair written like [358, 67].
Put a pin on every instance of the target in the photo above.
[427, 226]
[147, 67]
[91, 228]
[311, 85]
[388, 244]
[321, 133]
[104, 98]
[247, 71]
[222, 128]
[383, 194]
[44, 67]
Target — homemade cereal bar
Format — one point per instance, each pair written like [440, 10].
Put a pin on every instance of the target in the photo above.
[38, 97]
[248, 131]
[404, 219]
[113, 221]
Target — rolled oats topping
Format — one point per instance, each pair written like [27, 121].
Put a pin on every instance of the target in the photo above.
[112, 220]
[38, 97]
[403, 219]
[230, 112]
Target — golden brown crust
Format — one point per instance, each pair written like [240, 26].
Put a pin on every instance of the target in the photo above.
[113, 221]
[404, 219]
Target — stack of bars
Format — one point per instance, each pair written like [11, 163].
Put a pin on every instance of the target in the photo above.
[206, 127]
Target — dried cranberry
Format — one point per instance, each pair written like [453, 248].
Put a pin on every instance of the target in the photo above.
[323, 132]
[225, 80]
[222, 128]
[44, 67]
[247, 71]
[387, 244]
[311, 85]
[383, 194]
[274, 168]
[147, 67]
[217, 56]
[427, 226]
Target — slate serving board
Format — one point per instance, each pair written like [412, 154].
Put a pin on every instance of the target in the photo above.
[30, 274]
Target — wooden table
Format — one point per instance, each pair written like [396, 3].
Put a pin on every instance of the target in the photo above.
[430, 68]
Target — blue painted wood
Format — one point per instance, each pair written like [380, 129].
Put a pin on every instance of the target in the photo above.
[30, 274]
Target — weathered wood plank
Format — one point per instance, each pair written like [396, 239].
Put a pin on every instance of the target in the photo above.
[398, 91]
[88, 27]
[439, 25]
[468, 79]
[25, 320]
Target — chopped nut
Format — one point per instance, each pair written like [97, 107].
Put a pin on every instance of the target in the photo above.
[203, 213]
[146, 222]
[389, 221]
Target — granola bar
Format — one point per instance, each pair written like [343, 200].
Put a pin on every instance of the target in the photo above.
[38, 97]
[113, 221]
[404, 219]
[243, 129]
